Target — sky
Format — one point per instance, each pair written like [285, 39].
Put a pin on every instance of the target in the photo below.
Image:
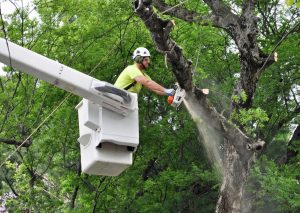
[8, 7]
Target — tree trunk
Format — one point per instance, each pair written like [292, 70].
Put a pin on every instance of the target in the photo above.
[238, 148]
[235, 176]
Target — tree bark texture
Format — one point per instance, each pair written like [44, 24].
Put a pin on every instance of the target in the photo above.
[238, 148]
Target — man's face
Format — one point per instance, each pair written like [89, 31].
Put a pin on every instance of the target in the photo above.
[146, 62]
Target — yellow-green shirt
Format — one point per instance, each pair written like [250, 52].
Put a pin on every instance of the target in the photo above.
[127, 77]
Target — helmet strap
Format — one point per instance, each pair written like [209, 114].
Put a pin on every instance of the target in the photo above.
[139, 59]
[143, 64]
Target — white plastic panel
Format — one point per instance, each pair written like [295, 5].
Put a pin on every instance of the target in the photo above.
[85, 139]
[122, 130]
[104, 151]
[109, 160]
[113, 127]
[89, 114]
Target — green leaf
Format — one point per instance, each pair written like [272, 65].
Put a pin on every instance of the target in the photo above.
[289, 2]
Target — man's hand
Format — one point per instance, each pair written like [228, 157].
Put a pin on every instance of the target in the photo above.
[169, 92]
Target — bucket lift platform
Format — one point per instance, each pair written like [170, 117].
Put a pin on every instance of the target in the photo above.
[107, 139]
[108, 116]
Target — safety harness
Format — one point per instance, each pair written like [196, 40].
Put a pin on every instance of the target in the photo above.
[134, 83]
[130, 85]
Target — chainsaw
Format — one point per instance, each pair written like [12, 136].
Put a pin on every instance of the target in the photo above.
[179, 95]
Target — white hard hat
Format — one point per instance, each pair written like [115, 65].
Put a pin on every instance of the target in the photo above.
[141, 51]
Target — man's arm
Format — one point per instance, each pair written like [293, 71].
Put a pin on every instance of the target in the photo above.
[152, 85]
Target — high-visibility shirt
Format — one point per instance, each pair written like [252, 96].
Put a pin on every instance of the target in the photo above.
[127, 77]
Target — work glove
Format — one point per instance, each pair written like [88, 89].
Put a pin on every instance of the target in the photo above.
[169, 92]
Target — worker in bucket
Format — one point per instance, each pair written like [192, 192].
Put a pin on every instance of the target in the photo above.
[133, 77]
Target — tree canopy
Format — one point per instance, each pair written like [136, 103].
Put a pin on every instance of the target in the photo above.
[172, 169]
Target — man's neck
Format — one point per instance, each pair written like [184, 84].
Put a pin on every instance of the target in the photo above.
[140, 67]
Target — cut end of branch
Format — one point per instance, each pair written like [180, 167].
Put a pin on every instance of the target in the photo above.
[205, 91]
[257, 146]
[275, 56]
[173, 22]
[166, 61]
[140, 4]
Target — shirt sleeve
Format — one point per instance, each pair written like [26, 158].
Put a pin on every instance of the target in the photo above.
[135, 72]
[147, 76]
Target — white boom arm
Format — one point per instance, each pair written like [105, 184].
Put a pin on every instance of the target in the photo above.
[107, 139]
[66, 78]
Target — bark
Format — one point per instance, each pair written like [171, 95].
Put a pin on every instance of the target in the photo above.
[233, 182]
[239, 149]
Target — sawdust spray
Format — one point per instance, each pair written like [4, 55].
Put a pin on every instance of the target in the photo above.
[212, 141]
[210, 138]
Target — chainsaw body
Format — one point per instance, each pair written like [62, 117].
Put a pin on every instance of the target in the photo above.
[178, 97]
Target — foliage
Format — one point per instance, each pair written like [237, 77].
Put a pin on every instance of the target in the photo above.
[275, 187]
[291, 2]
[171, 172]
[253, 119]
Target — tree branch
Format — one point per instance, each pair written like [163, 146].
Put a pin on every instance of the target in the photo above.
[248, 7]
[9, 183]
[76, 189]
[181, 13]
[223, 16]
[182, 67]
[160, 30]
[14, 142]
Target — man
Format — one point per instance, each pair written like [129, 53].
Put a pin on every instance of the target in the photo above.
[134, 77]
